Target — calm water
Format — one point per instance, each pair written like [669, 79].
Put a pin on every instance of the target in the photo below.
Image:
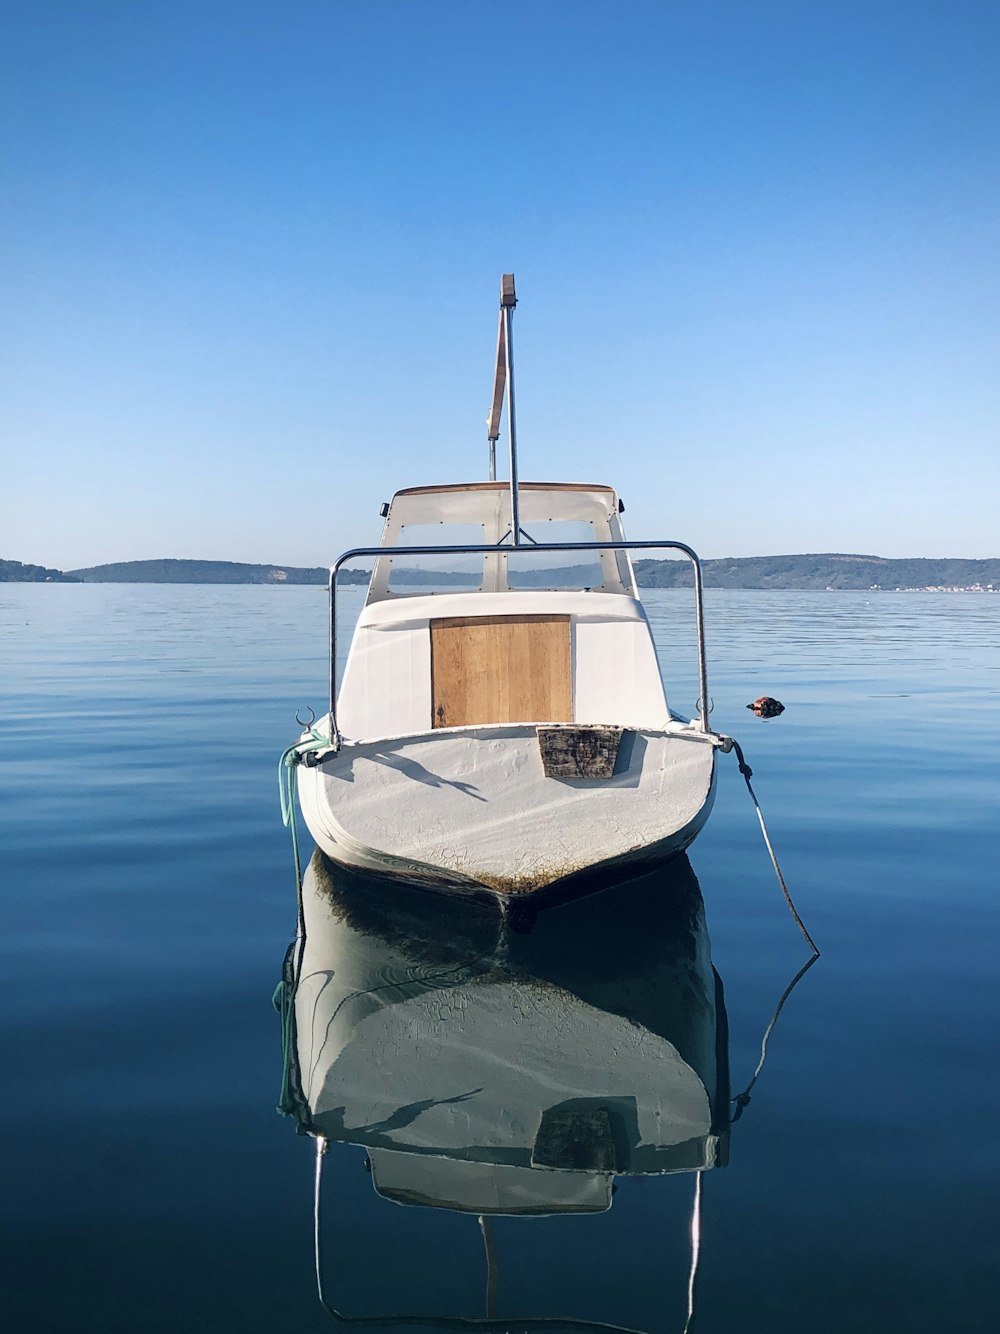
[147, 1183]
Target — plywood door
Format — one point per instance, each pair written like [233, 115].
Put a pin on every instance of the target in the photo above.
[501, 669]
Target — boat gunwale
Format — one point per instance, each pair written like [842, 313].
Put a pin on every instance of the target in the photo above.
[683, 729]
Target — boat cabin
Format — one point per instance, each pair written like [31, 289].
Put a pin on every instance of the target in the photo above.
[510, 635]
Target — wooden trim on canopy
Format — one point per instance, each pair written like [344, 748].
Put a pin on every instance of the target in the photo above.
[504, 486]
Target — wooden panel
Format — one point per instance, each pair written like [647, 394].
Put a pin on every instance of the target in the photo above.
[500, 669]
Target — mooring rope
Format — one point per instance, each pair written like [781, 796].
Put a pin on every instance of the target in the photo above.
[742, 1100]
[747, 773]
[695, 1252]
[287, 785]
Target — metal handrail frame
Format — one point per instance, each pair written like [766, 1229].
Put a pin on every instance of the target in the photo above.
[375, 553]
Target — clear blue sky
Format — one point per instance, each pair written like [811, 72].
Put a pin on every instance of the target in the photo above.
[250, 255]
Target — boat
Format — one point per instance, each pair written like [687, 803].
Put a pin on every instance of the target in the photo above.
[501, 726]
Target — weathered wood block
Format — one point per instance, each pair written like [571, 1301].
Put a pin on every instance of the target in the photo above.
[579, 752]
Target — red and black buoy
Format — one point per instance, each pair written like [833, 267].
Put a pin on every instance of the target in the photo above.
[766, 707]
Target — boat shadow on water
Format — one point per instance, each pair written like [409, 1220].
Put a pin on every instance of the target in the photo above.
[493, 1072]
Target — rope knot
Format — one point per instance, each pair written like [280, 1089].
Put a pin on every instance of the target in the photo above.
[740, 1102]
[745, 769]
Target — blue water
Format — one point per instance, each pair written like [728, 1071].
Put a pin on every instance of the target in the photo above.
[147, 1183]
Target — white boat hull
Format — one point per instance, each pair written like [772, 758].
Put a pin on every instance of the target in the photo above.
[471, 808]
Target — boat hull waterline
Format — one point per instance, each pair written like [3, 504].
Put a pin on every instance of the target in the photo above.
[470, 809]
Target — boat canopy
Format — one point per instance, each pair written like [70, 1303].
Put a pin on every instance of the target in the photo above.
[479, 514]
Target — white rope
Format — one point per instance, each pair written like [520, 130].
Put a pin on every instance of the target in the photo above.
[318, 1181]
[695, 1250]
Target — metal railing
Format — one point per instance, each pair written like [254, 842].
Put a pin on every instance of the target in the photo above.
[357, 553]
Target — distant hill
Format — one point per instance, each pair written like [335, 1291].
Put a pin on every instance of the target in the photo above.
[823, 571]
[831, 570]
[13, 572]
[207, 572]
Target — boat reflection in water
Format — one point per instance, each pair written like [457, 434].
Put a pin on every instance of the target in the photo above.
[497, 1073]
